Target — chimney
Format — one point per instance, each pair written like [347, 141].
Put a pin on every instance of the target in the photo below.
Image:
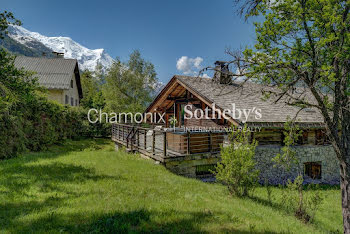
[222, 73]
[58, 54]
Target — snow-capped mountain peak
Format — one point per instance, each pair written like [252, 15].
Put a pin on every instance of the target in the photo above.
[87, 58]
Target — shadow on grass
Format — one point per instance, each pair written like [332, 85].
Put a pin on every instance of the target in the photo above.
[27, 188]
[27, 182]
[138, 221]
[17, 179]
[282, 208]
[65, 147]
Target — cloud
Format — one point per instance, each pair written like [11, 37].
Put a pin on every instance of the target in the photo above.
[205, 75]
[189, 66]
[240, 78]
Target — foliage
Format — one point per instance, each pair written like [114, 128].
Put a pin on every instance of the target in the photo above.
[91, 91]
[237, 166]
[304, 208]
[28, 121]
[302, 49]
[130, 86]
[291, 135]
[86, 187]
[303, 205]
[173, 121]
[92, 83]
[7, 18]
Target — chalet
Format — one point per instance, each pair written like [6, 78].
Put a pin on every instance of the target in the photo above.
[60, 76]
[185, 149]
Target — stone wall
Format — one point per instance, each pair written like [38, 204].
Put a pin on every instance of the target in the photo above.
[186, 165]
[276, 175]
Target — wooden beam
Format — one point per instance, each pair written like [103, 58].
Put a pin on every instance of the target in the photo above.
[206, 101]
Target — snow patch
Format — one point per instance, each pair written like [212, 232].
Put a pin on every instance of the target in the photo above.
[87, 58]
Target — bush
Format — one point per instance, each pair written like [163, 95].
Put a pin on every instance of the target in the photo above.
[302, 204]
[237, 166]
[35, 123]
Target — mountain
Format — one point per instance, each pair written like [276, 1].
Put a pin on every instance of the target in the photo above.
[25, 42]
[34, 50]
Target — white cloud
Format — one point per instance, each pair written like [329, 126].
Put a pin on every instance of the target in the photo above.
[189, 66]
[197, 62]
[205, 75]
[240, 78]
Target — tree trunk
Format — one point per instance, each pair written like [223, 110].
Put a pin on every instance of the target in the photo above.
[345, 171]
[345, 193]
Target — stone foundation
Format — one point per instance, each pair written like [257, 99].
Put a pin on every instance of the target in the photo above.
[325, 155]
[186, 165]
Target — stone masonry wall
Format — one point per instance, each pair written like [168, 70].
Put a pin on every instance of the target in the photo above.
[275, 175]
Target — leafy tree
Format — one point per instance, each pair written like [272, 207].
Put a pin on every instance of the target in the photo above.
[237, 166]
[28, 120]
[130, 86]
[92, 91]
[291, 135]
[296, 200]
[7, 18]
[304, 45]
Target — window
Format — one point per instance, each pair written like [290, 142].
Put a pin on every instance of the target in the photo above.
[66, 100]
[71, 83]
[76, 102]
[72, 101]
[313, 170]
[303, 139]
[321, 138]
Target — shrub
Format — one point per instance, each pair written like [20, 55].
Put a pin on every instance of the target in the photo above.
[35, 123]
[302, 204]
[295, 200]
[237, 166]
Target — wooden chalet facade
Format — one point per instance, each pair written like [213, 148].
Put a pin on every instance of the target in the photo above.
[192, 146]
[202, 93]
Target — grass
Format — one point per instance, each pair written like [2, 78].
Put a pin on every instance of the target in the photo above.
[85, 186]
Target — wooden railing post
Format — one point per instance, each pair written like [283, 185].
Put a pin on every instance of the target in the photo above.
[145, 139]
[127, 141]
[138, 139]
[210, 142]
[131, 140]
[153, 142]
[164, 144]
[188, 143]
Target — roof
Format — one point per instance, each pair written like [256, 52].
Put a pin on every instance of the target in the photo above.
[245, 96]
[52, 73]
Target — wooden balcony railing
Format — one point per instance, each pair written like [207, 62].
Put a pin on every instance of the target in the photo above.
[160, 144]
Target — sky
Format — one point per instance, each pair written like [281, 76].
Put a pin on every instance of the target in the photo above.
[178, 37]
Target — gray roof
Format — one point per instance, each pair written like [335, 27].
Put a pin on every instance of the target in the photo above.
[52, 73]
[248, 96]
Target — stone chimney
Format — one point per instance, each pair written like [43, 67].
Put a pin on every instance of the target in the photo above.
[222, 73]
[58, 54]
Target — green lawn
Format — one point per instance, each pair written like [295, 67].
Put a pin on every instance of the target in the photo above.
[85, 186]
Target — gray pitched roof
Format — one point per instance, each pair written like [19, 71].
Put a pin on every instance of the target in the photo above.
[247, 96]
[52, 73]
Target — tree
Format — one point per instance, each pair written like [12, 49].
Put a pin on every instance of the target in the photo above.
[304, 206]
[304, 45]
[130, 86]
[237, 166]
[7, 18]
[92, 91]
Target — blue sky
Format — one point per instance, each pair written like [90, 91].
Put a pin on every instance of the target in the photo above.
[163, 30]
